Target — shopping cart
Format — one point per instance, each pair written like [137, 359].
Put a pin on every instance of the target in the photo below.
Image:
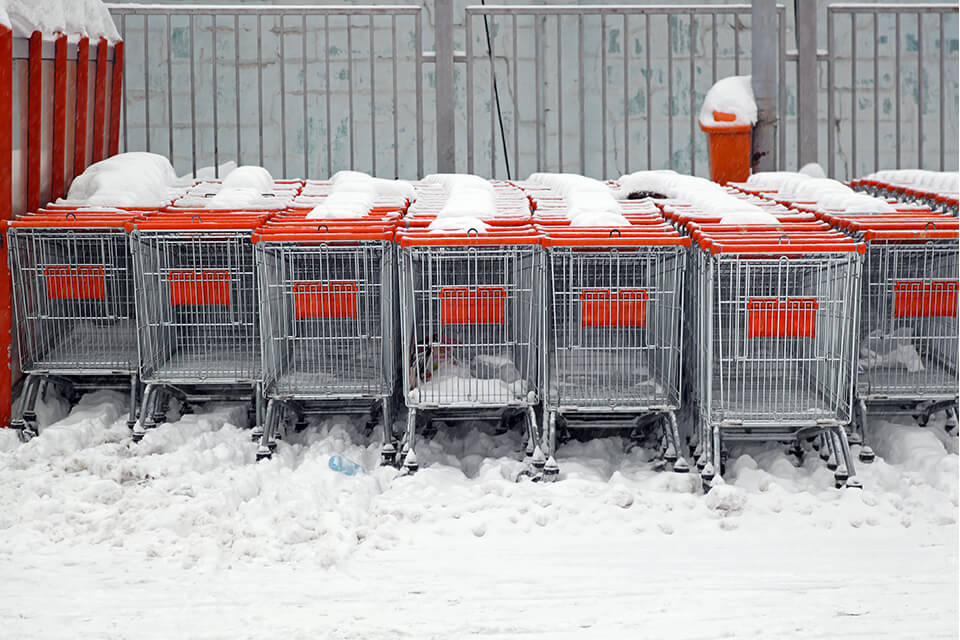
[773, 315]
[907, 357]
[614, 320]
[73, 294]
[197, 310]
[327, 319]
[470, 323]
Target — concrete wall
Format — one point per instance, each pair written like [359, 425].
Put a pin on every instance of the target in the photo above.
[653, 111]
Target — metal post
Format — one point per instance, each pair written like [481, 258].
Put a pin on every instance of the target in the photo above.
[446, 126]
[764, 71]
[807, 80]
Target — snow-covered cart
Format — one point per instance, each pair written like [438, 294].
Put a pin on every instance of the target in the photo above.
[329, 303]
[774, 320]
[74, 298]
[907, 360]
[470, 323]
[197, 309]
[614, 300]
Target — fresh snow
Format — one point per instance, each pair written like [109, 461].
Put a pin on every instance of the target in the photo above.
[127, 179]
[75, 18]
[184, 535]
[733, 95]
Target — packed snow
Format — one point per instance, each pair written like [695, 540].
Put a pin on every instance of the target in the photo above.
[127, 179]
[75, 18]
[184, 535]
[824, 193]
[352, 194]
[589, 202]
[732, 95]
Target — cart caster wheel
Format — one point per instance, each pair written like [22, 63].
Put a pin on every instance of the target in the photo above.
[137, 436]
[131, 424]
[272, 445]
[264, 453]
[701, 463]
[300, 426]
[853, 482]
[256, 433]
[832, 466]
[388, 455]
[922, 419]
[854, 439]
[867, 455]
[551, 470]
[410, 464]
[840, 480]
[681, 466]
[27, 434]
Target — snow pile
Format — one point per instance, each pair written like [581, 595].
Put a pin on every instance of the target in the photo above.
[732, 95]
[124, 180]
[452, 201]
[209, 173]
[934, 181]
[590, 202]
[352, 194]
[823, 193]
[75, 18]
[187, 522]
[709, 197]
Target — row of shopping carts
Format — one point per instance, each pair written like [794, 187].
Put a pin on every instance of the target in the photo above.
[521, 316]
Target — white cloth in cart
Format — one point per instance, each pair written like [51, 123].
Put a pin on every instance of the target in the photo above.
[890, 350]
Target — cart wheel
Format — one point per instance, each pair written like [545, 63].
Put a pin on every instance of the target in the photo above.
[410, 464]
[388, 455]
[867, 455]
[137, 436]
[264, 453]
[551, 470]
[853, 482]
[923, 419]
[26, 434]
[840, 480]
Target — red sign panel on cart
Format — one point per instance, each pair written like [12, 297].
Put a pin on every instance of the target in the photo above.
[613, 308]
[916, 298]
[479, 305]
[209, 287]
[777, 318]
[85, 282]
[325, 299]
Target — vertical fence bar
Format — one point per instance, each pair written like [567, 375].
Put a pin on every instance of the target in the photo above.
[326, 77]
[897, 82]
[853, 94]
[373, 106]
[693, 87]
[538, 76]
[216, 127]
[306, 115]
[516, 104]
[831, 141]
[100, 101]
[146, 77]
[736, 44]
[603, 90]
[260, 84]
[559, 97]
[418, 63]
[669, 90]
[582, 97]
[396, 110]
[943, 107]
[782, 89]
[57, 184]
[283, 97]
[468, 26]
[80, 126]
[919, 90]
[494, 101]
[169, 44]
[350, 118]
[649, 109]
[445, 96]
[193, 101]
[626, 94]
[236, 79]
[876, 94]
[34, 123]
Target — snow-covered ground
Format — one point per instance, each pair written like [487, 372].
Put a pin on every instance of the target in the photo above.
[184, 535]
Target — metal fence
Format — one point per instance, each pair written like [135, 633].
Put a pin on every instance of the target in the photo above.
[597, 89]
[910, 119]
[597, 110]
[284, 81]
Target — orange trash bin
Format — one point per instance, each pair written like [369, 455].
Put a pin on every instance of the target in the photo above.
[728, 148]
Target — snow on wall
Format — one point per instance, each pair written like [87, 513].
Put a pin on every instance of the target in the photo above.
[73, 17]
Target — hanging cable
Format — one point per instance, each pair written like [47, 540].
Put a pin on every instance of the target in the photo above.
[496, 95]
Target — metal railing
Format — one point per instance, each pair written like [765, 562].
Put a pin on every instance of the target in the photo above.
[601, 94]
[329, 59]
[900, 91]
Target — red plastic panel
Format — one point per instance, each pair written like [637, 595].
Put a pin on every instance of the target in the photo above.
[80, 135]
[325, 299]
[613, 308]
[115, 98]
[100, 100]
[480, 305]
[59, 117]
[86, 282]
[916, 298]
[210, 287]
[790, 318]
[34, 122]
